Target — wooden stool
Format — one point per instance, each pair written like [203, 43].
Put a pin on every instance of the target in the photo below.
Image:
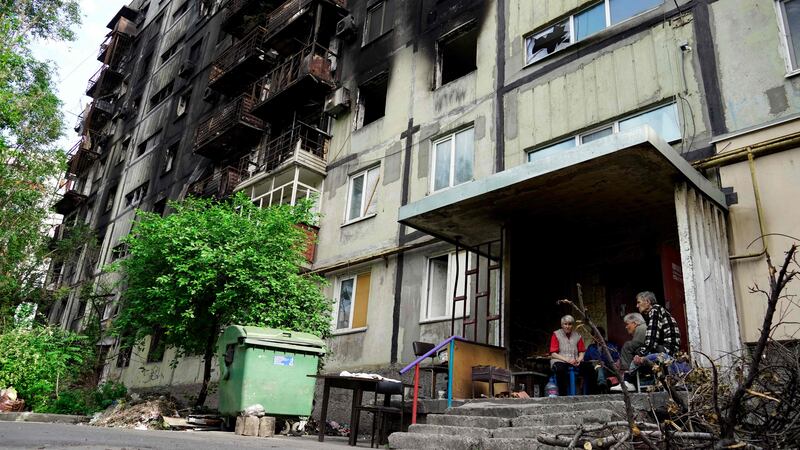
[491, 375]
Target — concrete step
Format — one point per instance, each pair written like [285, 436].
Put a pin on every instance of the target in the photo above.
[450, 430]
[550, 400]
[532, 432]
[528, 409]
[447, 442]
[468, 421]
[566, 418]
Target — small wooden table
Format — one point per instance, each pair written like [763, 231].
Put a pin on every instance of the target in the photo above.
[356, 384]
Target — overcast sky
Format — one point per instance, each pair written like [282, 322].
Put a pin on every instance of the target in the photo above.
[76, 61]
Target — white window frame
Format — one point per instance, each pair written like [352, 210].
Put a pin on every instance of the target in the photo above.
[571, 20]
[451, 177]
[578, 138]
[465, 259]
[792, 66]
[337, 298]
[364, 207]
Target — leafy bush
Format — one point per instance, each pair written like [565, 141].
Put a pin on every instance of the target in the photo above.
[40, 361]
[86, 401]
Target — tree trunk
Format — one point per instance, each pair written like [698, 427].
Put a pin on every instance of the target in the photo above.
[208, 356]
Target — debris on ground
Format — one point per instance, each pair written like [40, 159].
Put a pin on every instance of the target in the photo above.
[145, 413]
[9, 401]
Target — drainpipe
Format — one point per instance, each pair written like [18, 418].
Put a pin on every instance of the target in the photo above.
[751, 161]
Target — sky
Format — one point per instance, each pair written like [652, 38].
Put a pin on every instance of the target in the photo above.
[76, 61]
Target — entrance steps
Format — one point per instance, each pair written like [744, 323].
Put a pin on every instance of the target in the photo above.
[508, 424]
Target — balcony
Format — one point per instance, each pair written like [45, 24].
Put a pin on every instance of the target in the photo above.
[304, 75]
[231, 127]
[82, 155]
[303, 144]
[99, 114]
[239, 14]
[105, 80]
[118, 41]
[240, 64]
[218, 186]
[71, 198]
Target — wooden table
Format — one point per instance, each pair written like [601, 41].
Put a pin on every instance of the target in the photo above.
[358, 386]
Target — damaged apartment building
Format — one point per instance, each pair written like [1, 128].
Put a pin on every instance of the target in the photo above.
[472, 160]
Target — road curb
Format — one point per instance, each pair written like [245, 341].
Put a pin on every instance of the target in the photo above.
[44, 418]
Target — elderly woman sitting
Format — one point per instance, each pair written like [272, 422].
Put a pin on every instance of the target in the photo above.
[566, 351]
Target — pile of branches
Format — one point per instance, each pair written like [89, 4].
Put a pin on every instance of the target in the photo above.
[753, 403]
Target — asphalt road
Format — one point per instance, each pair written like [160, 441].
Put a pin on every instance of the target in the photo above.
[60, 436]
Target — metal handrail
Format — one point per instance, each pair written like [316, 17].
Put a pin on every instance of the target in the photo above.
[292, 69]
[230, 58]
[415, 365]
[280, 149]
[234, 112]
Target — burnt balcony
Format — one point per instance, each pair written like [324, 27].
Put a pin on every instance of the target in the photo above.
[304, 75]
[302, 144]
[105, 80]
[99, 114]
[71, 198]
[118, 42]
[218, 186]
[231, 127]
[239, 13]
[240, 64]
[82, 155]
[296, 18]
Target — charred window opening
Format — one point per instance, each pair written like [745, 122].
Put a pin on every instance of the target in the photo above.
[457, 54]
[160, 207]
[372, 99]
[124, 355]
[157, 346]
[378, 22]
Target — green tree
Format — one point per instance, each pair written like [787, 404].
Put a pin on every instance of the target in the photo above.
[30, 124]
[211, 264]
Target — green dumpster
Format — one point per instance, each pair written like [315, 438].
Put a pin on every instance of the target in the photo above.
[268, 367]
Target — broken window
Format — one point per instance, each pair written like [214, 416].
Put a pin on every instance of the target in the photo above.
[379, 21]
[148, 144]
[160, 207]
[790, 24]
[161, 95]
[183, 103]
[194, 51]
[123, 149]
[169, 158]
[583, 24]
[124, 356]
[361, 199]
[145, 63]
[112, 192]
[171, 51]
[457, 54]
[452, 159]
[372, 100]
[134, 197]
[351, 301]
[157, 346]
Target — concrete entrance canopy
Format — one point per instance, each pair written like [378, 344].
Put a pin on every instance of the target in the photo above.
[626, 176]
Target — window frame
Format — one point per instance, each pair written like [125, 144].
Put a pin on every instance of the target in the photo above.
[442, 44]
[451, 177]
[570, 20]
[354, 276]
[367, 21]
[790, 56]
[450, 284]
[615, 127]
[364, 206]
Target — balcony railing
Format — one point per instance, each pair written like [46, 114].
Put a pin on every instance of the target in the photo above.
[301, 137]
[246, 54]
[70, 199]
[219, 186]
[233, 116]
[285, 14]
[312, 64]
[83, 154]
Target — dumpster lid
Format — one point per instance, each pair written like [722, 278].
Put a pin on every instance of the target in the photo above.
[274, 337]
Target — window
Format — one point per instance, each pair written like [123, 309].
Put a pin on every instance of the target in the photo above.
[161, 95]
[124, 356]
[581, 25]
[134, 197]
[147, 60]
[160, 207]
[100, 168]
[789, 11]
[157, 346]
[361, 198]
[171, 51]
[457, 54]
[180, 10]
[372, 100]
[149, 144]
[440, 284]
[169, 158]
[183, 103]
[452, 159]
[379, 21]
[112, 192]
[664, 120]
[119, 251]
[351, 301]
[123, 149]
[194, 51]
